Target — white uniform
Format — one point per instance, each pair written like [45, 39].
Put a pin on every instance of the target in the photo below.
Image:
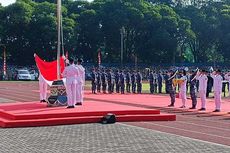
[217, 86]
[203, 80]
[183, 90]
[80, 78]
[69, 73]
[42, 87]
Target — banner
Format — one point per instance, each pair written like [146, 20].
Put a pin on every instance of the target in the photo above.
[49, 69]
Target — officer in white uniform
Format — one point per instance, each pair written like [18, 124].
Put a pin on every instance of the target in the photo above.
[80, 83]
[183, 89]
[217, 85]
[203, 80]
[69, 73]
[42, 88]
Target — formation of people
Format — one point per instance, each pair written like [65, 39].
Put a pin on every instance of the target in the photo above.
[196, 83]
[118, 81]
[75, 81]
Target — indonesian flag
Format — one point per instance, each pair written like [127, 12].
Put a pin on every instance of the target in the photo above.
[48, 70]
[99, 56]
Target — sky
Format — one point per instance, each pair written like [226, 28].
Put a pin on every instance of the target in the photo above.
[7, 2]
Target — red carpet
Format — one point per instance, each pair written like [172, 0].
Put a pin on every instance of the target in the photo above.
[38, 114]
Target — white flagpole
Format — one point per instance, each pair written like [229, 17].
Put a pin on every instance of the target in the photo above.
[59, 37]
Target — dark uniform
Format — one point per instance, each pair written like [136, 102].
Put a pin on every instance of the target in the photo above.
[160, 80]
[139, 82]
[151, 78]
[193, 90]
[209, 85]
[128, 80]
[93, 81]
[104, 81]
[171, 88]
[155, 82]
[117, 76]
[98, 81]
[133, 82]
[122, 82]
[110, 80]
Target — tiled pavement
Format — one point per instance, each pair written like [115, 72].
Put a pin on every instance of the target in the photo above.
[98, 138]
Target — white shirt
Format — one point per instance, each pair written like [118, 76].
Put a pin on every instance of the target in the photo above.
[217, 82]
[183, 84]
[69, 73]
[203, 80]
[81, 74]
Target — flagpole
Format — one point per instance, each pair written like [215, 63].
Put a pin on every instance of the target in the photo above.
[59, 37]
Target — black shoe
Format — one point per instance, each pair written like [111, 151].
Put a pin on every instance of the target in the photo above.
[217, 110]
[192, 108]
[171, 105]
[182, 107]
[41, 101]
[202, 109]
[78, 104]
[70, 107]
[44, 101]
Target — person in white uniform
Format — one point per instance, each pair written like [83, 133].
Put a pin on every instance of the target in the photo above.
[183, 89]
[80, 83]
[217, 85]
[203, 80]
[42, 88]
[69, 73]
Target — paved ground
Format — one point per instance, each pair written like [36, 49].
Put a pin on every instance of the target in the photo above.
[97, 138]
[125, 137]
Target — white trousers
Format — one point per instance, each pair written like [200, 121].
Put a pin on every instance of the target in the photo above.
[203, 98]
[71, 94]
[183, 97]
[217, 96]
[79, 93]
[43, 90]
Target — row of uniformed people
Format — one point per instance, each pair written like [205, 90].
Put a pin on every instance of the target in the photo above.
[200, 76]
[75, 81]
[116, 81]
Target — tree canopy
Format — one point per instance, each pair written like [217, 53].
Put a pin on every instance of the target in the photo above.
[156, 31]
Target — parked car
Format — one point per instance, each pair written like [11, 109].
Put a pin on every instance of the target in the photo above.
[24, 74]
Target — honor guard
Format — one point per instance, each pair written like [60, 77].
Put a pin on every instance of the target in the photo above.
[183, 89]
[117, 76]
[217, 85]
[98, 81]
[133, 82]
[80, 82]
[128, 81]
[139, 82]
[70, 72]
[203, 79]
[42, 88]
[110, 82]
[160, 80]
[171, 88]
[122, 82]
[151, 78]
[93, 81]
[104, 81]
[193, 89]
[155, 81]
